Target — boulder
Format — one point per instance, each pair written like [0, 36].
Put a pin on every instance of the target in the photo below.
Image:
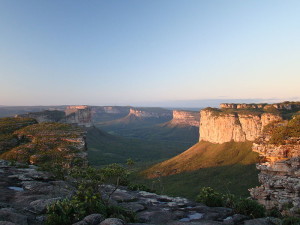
[40, 206]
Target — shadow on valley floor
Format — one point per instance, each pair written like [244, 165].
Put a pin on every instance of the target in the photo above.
[104, 148]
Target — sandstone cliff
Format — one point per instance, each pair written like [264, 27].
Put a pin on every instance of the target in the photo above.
[150, 113]
[280, 174]
[185, 118]
[108, 113]
[80, 115]
[218, 127]
[283, 105]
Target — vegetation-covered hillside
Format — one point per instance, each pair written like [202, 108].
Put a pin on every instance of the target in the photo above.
[228, 168]
[7, 128]
[205, 155]
[25, 141]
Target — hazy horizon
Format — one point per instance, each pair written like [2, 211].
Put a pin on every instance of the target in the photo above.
[148, 53]
[198, 103]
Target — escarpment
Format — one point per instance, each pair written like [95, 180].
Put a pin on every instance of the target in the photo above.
[185, 118]
[218, 127]
[280, 174]
[150, 113]
[283, 105]
[80, 115]
[242, 122]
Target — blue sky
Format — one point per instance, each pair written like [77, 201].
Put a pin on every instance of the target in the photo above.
[147, 52]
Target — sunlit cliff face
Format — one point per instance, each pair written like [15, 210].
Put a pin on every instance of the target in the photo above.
[186, 118]
[74, 108]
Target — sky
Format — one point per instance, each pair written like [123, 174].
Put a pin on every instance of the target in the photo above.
[148, 52]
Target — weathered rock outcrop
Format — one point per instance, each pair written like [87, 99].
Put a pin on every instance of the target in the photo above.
[26, 193]
[219, 127]
[185, 118]
[280, 174]
[241, 106]
[80, 115]
[43, 143]
[283, 106]
[150, 113]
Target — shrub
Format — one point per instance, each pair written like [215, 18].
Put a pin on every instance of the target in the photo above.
[87, 198]
[282, 133]
[291, 221]
[210, 197]
[249, 207]
[245, 206]
[67, 211]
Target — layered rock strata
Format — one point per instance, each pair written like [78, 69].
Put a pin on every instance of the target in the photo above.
[282, 106]
[279, 176]
[185, 118]
[148, 113]
[80, 115]
[218, 127]
[26, 193]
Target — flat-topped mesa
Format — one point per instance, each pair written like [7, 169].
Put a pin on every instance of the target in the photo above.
[74, 108]
[220, 127]
[280, 174]
[111, 109]
[80, 115]
[241, 106]
[185, 118]
[281, 106]
[150, 113]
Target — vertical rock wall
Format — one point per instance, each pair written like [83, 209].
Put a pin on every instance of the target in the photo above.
[80, 115]
[279, 176]
[218, 127]
[185, 118]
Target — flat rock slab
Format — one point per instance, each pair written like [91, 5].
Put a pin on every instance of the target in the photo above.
[120, 196]
[156, 217]
[11, 215]
[132, 206]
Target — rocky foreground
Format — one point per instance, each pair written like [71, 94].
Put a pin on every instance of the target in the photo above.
[26, 192]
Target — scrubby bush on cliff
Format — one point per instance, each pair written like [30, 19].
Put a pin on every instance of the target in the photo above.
[249, 207]
[279, 134]
[67, 211]
[245, 206]
[87, 199]
[210, 197]
[291, 221]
